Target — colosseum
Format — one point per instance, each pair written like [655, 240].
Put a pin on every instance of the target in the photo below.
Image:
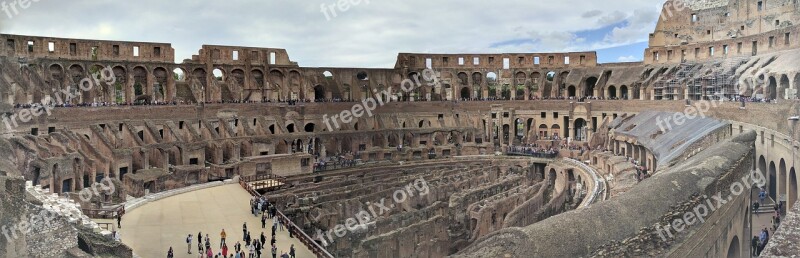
[688, 153]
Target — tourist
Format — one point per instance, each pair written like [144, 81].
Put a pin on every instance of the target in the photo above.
[291, 251]
[208, 242]
[119, 220]
[274, 251]
[263, 239]
[754, 246]
[189, 243]
[224, 250]
[247, 239]
[209, 253]
[222, 236]
[284, 255]
[244, 231]
[264, 220]
[258, 246]
[200, 245]
[169, 253]
[252, 251]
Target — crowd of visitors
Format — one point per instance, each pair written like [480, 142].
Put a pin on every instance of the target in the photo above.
[533, 150]
[251, 245]
[348, 100]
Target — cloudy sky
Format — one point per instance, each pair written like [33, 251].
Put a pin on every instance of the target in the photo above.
[369, 33]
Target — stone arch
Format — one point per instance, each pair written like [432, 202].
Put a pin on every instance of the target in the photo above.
[588, 86]
[219, 74]
[56, 72]
[773, 182]
[258, 78]
[772, 89]
[571, 92]
[465, 93]
[282, 147]
[554, 130]
[160, 85]
[139, 81]
[477, 80]
[623, 92]
[296, 90]
[277, 84]
[734, 248]
[319, 93]
[463, 78]
[762, 166]
[491, 82]
[781, 178]
[120, 89]
[179, 74]
[423, 123]
[199, 74]
[393, 140]
[784, 84]
[535, 84]
[310, 127]
[544, 132]
[175, 157]
[76, 73]
[290, 128]
[579, 133]
[237, 77]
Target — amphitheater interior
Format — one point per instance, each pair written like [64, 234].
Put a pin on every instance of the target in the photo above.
[442, 155]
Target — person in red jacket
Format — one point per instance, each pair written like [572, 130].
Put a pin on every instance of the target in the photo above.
[225, 250]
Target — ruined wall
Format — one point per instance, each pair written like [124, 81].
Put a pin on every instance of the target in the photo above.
[686, 29]
[641, 207]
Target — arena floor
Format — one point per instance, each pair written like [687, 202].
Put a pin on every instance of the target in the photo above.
[151, 229]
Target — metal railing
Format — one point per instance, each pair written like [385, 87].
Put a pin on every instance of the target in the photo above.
[312, 245]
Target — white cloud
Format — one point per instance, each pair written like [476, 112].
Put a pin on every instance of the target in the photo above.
[366, 35]
[628, 59]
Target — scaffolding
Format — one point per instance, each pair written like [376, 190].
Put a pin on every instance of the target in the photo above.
[701, 82]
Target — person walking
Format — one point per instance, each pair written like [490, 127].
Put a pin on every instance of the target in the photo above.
[169, 253]
[119, 220]
[274, 251]
[244, 231]
[200, 245]
[222, 236]
[264, 220]
[754, 246]
[189, 243]
[263, 239]
[258, 246]
[225, 250]
[292, 251]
